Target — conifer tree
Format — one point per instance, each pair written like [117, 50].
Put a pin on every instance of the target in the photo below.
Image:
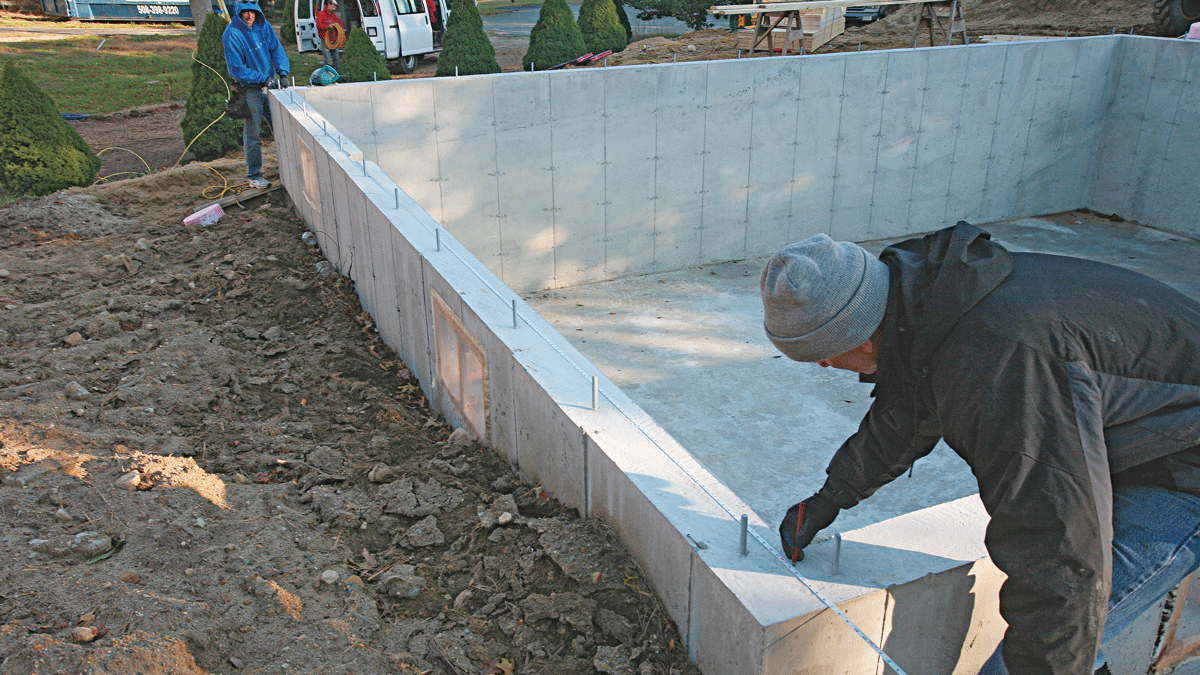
[465, 46]
[623, 17]
[287, 25]
[362, 62]
[555, 37]
[600, 27]
[206, 101]
[39, 152]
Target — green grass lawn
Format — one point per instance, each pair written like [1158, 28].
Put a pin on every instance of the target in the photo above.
[84, 76]
[126, 71]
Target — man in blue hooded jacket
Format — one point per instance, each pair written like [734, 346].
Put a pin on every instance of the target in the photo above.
[254, 58]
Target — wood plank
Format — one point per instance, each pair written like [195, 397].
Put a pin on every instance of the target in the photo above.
[810, 38]
[824, 34]
[243, 196]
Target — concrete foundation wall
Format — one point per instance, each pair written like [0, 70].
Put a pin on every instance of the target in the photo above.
[1147, 165]
[559, 178]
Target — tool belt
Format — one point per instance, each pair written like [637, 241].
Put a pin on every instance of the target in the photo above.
[237, 107]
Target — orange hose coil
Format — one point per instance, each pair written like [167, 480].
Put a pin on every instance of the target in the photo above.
[339, 41]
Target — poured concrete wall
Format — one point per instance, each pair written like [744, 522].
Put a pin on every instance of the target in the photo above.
[565, 177]
[881, 144]
[1146, 168]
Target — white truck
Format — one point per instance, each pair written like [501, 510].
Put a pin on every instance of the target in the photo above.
[402, 30]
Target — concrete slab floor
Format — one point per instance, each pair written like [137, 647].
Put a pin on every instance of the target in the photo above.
[688, 346]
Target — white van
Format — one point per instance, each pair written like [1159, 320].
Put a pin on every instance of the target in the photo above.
[402, 30]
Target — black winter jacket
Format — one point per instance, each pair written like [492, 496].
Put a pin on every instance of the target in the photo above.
[1051, 376]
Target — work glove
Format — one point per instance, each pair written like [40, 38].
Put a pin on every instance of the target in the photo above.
[281, 82]
[802, 522]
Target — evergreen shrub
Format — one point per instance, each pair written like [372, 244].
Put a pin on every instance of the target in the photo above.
[206, 101]
[555, 37]
[39, 152]
[600, 26]
[623, 17]
[287, 25]
[465, 46]
[361, 62]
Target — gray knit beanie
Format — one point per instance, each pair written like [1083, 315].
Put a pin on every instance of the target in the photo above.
[822, 298]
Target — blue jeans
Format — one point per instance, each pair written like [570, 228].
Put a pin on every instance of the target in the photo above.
[333, 57]
[1156, 545]
[260, 111]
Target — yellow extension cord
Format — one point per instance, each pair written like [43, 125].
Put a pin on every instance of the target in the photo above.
[225, 188]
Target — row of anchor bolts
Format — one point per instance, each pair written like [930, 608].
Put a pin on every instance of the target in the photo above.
[744, 551]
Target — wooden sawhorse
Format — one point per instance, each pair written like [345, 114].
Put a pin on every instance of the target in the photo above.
[764, 28]
[954, 21]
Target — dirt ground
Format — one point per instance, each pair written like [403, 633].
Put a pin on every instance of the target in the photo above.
[986, 20]
[211, 464]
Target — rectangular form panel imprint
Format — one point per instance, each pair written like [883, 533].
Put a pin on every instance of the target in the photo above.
[461, 365]
[308, 175]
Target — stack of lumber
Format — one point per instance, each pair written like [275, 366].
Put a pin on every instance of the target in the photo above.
[813, 28]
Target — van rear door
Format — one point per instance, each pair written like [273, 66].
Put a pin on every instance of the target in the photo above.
[306, 26]
[372, 23]
[416, 37]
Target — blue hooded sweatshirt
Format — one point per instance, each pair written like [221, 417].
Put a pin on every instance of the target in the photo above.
[253, 54]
